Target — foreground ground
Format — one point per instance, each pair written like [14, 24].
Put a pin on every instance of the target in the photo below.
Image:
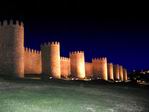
[67, 96]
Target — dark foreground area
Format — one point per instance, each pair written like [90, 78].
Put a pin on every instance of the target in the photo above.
[71, 96]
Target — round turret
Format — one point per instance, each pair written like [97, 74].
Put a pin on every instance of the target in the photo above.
[125, 74]
[77, 62]
[116, 72]
[55, 59]
[100, 68]
[121, 73]
[65, 67]
[51, 59]
[110, 71]
[103, 68]
[12, 48]
[96, 69]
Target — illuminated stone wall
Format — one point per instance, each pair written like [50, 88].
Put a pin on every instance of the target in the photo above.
[77, 63]
[32, 61]
[65, 67]
[121, 73]
[12, 48]
[110, 71]
[15, 60]
[125, 74]
[50, 54]
[116, 72]
[88, 69]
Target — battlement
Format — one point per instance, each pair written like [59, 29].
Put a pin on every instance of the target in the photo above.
[54, 43]
[110, 64]
[76, 52]
[11, 23]
[31, 51]
[120, 66]
[45, 45]
[64, 59]
[99, 59]
[88, 63]
[110, 71]
[51, 59]
[116, 65]
[95, 59]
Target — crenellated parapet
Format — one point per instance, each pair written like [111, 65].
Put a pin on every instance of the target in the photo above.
[32, 51]
[64, 59]
[77, 63]
[11, 23]
[54, 43]
[46, 45]
[100, 59]
[76, 53]
[50, 53]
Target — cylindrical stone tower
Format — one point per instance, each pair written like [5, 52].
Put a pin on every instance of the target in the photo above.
[110, 71]
[45, 59]
[96, 69]
[72, 64]
[116, 72]
[125, 74]
[65, 67]
[121, 73]
[12, 49]
[100, 68]
[77, 62]
[103, 68]
[51, 59]
[55, 69]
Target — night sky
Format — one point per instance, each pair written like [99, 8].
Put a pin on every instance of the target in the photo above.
[119, 33]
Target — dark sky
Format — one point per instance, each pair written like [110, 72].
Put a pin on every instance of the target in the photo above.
[119, 32]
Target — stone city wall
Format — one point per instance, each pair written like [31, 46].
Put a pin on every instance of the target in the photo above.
[32, 61]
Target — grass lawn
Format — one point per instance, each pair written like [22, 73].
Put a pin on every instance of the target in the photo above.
[71, 96]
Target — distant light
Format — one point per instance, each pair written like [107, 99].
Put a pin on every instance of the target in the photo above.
[50, 77]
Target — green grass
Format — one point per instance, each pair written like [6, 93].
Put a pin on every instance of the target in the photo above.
[66, 96]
